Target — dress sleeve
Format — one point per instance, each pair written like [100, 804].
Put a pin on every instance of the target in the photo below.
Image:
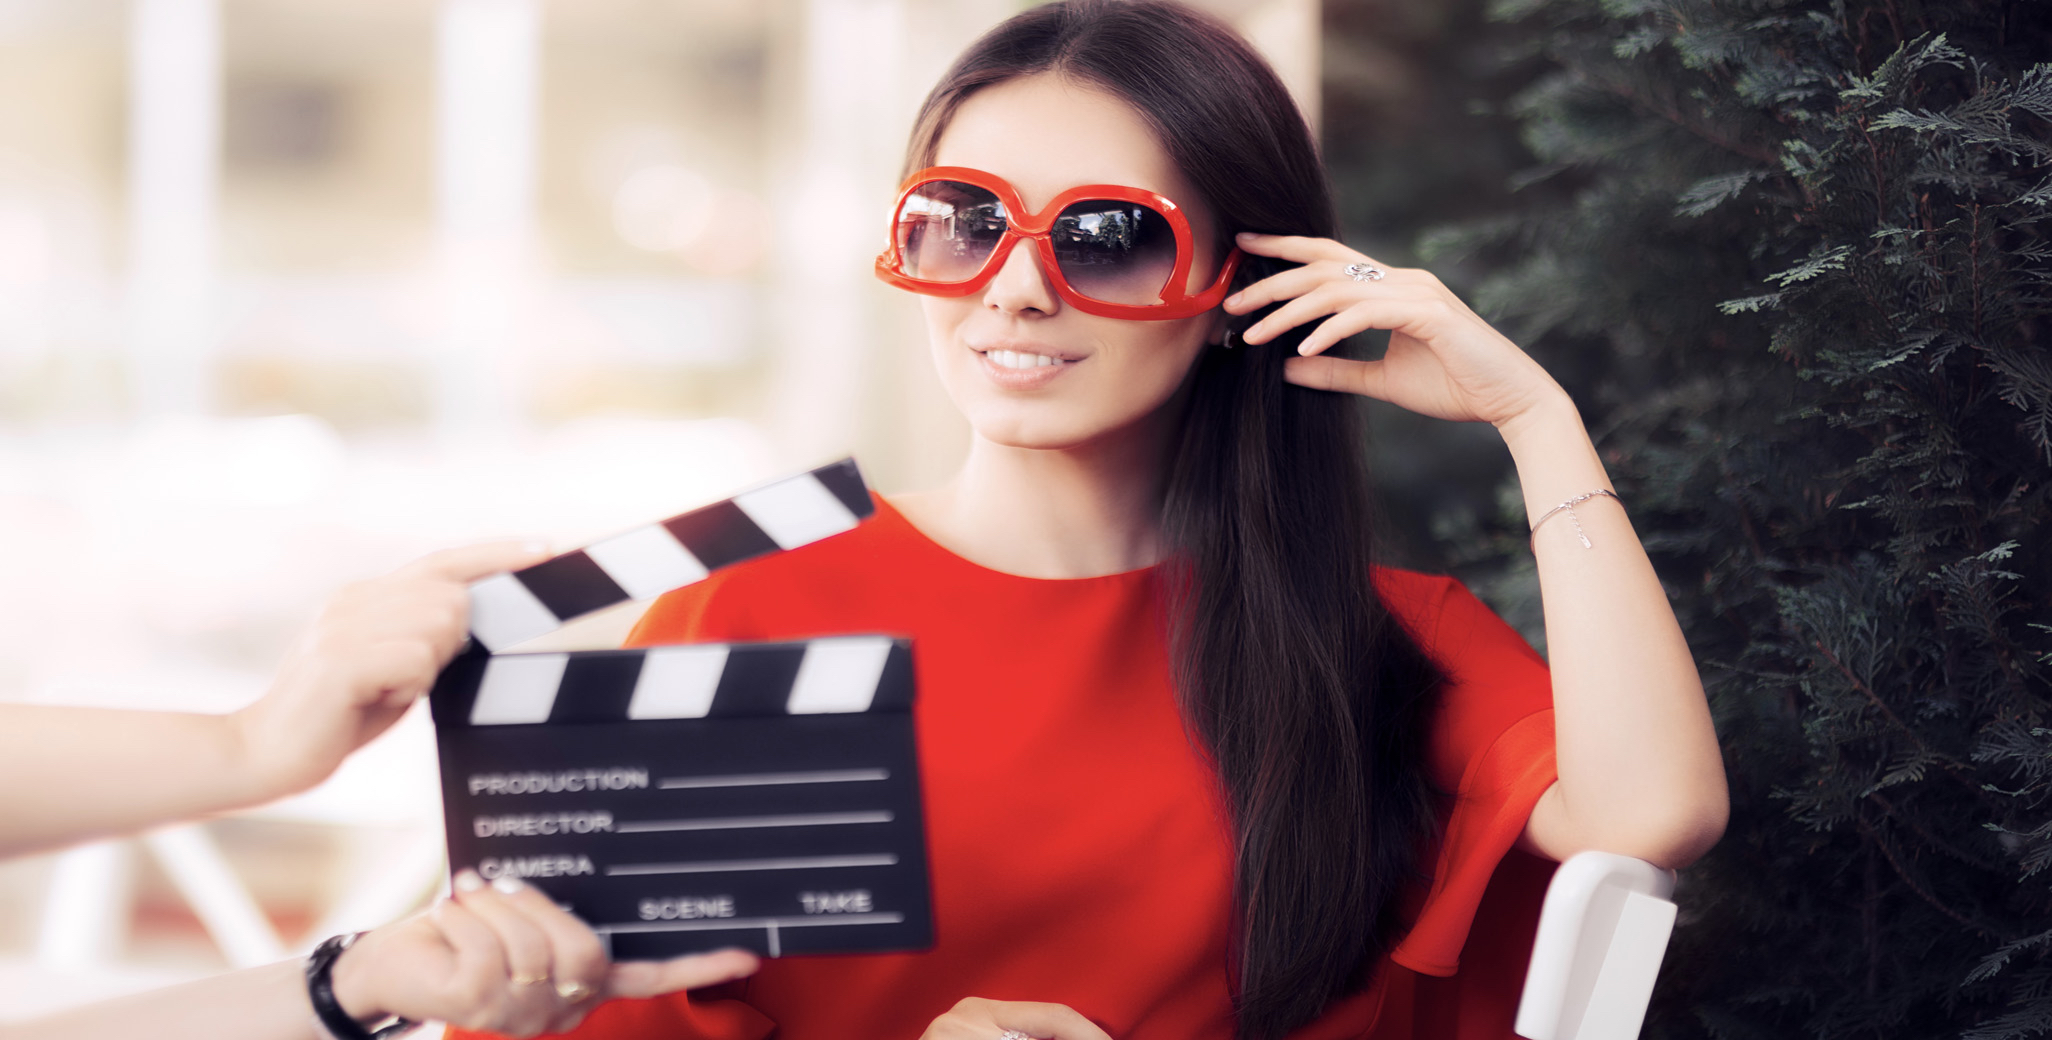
[1491, 749]
[681, 616]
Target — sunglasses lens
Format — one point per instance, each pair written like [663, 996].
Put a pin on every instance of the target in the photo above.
[1115, 252]
[947, 229]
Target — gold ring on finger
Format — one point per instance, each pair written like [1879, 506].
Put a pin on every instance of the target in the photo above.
[574, 992]
[530, 980]
[1364, 272]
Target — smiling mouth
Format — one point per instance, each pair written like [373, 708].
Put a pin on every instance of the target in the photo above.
[1018, 360]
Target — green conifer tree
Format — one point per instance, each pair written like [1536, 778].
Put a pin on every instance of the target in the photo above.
[1802, 281]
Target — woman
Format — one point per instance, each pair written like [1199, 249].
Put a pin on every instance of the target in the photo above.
[500, 957]
[1193, 768]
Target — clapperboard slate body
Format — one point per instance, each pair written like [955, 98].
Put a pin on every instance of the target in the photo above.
[687, 798]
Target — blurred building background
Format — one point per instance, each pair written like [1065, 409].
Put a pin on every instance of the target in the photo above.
[292, 291]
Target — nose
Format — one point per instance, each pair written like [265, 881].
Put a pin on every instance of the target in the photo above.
[1020, 285]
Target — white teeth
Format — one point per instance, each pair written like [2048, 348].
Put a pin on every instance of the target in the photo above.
[1015, 359]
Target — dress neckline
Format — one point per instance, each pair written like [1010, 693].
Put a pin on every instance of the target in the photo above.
[891, 516]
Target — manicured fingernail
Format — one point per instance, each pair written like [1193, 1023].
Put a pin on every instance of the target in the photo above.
[535, 545]
[1245, 235]
[1304, 349]
[468, 881]
[1233, 300]
[508, 884]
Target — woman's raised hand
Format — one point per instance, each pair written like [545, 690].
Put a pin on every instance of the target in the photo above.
[503, 958]
[1443, 359]
[974, 1018]
[374, 650]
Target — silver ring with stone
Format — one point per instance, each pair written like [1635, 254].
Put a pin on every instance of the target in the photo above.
[1364, 272]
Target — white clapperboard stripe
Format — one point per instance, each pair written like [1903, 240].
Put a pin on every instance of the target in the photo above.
[835, 675]
[613, 690]
[507, 609]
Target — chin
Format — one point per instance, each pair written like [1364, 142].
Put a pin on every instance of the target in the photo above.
[1036, 428]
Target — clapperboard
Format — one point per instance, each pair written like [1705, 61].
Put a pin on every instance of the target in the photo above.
[688, 798]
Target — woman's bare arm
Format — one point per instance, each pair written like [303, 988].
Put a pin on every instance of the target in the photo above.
[1640, 770]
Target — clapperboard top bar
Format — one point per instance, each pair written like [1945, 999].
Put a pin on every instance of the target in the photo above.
[646, 562]
[834, 675]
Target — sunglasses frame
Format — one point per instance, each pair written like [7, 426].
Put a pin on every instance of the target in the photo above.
[1175, 300]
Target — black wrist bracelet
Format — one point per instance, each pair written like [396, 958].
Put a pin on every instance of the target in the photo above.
[320, 990]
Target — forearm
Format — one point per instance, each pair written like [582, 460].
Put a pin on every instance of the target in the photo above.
[75, 774]
[267, 1003]
[1640, 771]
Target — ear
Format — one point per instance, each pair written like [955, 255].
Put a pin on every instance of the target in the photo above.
[1219, 330]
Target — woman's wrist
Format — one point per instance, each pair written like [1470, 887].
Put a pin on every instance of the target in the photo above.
[1554, 455]
[1543, 424]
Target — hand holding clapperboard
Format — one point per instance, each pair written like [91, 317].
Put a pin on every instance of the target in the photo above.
[688, 798]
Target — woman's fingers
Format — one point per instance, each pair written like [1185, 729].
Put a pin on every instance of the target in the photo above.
[1367, 378]
[655, 978]
[1316, 303]
[1301, 249]
[975, 1018]
[1422, 320]
[1057, 1021]
[1291, 283]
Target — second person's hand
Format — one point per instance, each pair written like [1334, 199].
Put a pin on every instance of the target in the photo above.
[374, 650]
[503, 958]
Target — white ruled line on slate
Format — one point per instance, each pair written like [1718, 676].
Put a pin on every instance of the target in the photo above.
[816, 776]
[721, 866]
[729, 823]
[727, 924]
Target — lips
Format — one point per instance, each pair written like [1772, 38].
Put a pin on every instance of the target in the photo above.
[1023, 366]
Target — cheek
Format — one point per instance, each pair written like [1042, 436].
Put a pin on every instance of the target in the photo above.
[944, 318]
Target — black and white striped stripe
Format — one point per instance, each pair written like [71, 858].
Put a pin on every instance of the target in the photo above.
[646, 562]
[820, 676]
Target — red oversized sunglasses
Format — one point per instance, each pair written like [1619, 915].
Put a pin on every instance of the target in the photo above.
[1109, 250]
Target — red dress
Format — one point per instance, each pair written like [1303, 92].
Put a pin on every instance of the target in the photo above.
[1076, 841]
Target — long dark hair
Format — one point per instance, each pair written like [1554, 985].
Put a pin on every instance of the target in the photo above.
[1309, 698]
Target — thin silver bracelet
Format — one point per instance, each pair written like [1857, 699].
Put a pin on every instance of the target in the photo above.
[1569, 507]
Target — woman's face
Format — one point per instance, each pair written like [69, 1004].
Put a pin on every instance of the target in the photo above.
[1044, 135]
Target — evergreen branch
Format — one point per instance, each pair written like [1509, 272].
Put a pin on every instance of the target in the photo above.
[1887, 853]
[1922, 832]
[1994, 963]
[1952, 768]
[1674, 117]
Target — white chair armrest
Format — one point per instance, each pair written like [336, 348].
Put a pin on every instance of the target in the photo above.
[1602, 934]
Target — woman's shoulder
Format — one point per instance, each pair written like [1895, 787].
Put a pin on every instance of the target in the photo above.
[1453, 625]
[761, 597]
[1494, 679]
